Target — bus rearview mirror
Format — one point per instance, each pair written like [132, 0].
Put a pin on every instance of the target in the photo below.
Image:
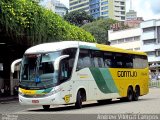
[57, 61]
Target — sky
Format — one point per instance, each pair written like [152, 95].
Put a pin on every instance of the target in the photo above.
[148, 9]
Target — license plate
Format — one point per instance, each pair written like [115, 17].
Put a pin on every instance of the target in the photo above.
[35, 101]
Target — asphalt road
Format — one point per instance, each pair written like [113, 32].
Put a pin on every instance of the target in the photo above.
[148, 104]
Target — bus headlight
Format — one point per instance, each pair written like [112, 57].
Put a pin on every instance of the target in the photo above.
[54, 92]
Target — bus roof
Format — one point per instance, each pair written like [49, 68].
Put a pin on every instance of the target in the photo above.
[55, 46]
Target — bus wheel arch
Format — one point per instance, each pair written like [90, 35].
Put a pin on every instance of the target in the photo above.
[136, 93]
[80, 97]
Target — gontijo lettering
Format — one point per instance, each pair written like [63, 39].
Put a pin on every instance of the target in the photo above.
[127, 74]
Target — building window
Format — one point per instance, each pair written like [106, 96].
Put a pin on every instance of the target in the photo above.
[104, 13]
[114, 42]
[104, 8]
[129, 39]
[80, 5]
[104, 3]
[123, 13]
[137, 38]
[151, 41]
[152, 53]
[122, 18]
[76, 2]
[158, 34]
[148, 29]
[158, 52]
[121, 41]
[122, 3]
[122, 8]
[130, 49]
[137, 48]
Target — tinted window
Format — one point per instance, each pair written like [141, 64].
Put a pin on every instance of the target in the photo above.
[119, 60]
[97, 57]
[109, 59]
[140, 61]
[66, 65]
[84, 59]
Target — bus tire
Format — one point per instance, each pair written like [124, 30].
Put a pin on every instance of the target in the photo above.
[78, 103]
[129, 94]
[136, 93]
[46, 107]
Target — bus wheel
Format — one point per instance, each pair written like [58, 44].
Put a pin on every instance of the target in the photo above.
[130, 94]
[46, 107]
[78, 103]
[136, 94]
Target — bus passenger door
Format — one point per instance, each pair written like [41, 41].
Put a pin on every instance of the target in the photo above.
[64, 76]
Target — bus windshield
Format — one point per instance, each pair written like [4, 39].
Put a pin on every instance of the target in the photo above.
[37, 70]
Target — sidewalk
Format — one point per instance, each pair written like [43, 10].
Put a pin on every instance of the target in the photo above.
[8, 98]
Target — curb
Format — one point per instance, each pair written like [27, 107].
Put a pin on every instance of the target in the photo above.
[7, 99]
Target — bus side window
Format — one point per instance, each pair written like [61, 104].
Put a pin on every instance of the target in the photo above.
[108, 59]
[140, 61]
[84, 59]
[70, 61]
[64, 73]
[97, 57]
[128, 59]
[119, 60]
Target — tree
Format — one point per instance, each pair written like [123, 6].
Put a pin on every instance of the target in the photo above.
[25, 22]
[78, 18]
[99, 29]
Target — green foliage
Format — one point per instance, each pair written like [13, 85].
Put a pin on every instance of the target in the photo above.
[28, 23]
[99, 29]
[78, 18]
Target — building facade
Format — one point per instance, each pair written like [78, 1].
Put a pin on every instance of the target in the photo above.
[56, 7]
[79, 5]
[132, 20]
[114, 9]
[131, 15]
[127, 39]
[134, 23]
[145, 38]
[60, 8]
[150, 43]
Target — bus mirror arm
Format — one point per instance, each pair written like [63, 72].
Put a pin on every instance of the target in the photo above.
[57, 61]
[18, 61]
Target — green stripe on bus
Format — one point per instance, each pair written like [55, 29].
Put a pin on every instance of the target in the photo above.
[104, 80]
[88, 47]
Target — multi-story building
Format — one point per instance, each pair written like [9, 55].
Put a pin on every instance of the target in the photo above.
[134, 23]
[79, 5]
[114, 9]
[127, 39]
[56, 7]
[150, 42]
[131, 15]
[145, 38]
[60, 8]
[132, 20]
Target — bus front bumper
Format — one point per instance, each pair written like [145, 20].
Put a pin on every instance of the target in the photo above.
[47, 100]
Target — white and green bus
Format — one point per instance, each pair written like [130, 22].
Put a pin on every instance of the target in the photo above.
[72, 72]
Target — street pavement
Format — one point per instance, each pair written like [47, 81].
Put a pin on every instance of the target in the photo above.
[148, 104]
